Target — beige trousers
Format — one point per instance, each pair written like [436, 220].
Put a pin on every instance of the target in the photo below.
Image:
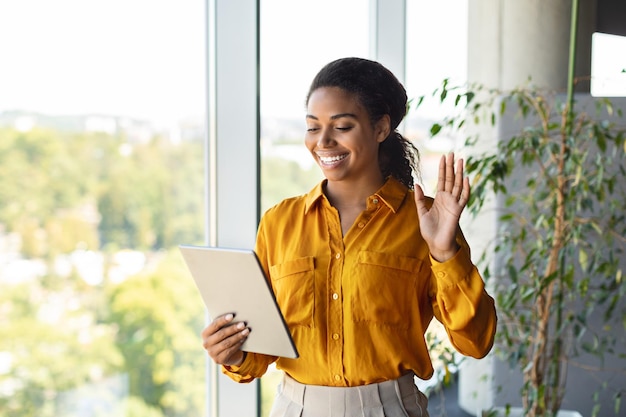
[396, 398]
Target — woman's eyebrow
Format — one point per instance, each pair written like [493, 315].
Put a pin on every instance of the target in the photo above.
[340, 115]
[334, 117]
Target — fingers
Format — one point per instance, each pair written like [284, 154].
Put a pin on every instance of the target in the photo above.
[452, 179]
[441, 180]
[457, 188]
[223, 338]
[465, 192]
[420, 200]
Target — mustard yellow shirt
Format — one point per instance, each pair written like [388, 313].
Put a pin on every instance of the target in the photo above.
[358, 305]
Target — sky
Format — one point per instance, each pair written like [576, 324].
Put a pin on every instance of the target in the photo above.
[119, 57]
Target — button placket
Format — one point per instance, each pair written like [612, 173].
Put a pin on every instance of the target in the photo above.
[335, 324]
[335, 312]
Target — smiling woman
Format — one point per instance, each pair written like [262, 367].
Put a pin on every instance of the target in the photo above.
[319, 32]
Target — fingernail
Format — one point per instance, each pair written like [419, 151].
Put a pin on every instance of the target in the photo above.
[240, 325]
[245, 332]
[228, 317]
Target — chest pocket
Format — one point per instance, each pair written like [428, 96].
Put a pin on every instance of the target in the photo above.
[385, 289]
[293, 283]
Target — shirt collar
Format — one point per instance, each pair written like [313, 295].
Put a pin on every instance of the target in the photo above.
[314, 196]
[392, 193]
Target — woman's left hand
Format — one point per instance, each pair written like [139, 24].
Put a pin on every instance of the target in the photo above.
[440, 222]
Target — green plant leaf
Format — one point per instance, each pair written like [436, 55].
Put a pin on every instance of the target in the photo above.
[435, 128]
[583, 259]
[506, 217]
[600, 138]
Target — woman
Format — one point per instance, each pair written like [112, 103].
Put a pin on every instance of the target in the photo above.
[362, 263]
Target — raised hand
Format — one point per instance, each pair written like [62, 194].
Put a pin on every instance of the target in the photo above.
[439, 223]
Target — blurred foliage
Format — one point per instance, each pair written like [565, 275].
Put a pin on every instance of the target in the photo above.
[282, 178]
[67, 341]
[69, 347]
[53, 343]
[159, 316]
[95, 191]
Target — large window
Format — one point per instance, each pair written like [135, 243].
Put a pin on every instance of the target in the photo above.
[101, 176]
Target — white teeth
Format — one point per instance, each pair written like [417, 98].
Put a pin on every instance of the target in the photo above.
[331, 159]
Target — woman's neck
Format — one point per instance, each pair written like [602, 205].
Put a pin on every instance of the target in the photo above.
[347, 194]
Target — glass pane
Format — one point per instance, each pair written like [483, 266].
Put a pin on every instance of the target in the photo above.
[101, 177]
[429, 62]
[608, 65]
[297, 39]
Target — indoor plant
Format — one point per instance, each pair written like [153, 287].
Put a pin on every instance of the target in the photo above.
[555, 265]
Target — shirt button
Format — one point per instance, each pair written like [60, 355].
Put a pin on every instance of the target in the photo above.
[441, 274]
[361, 224]
[337, 256]
[335, 336]
[335, 296]
[375, 201]
[337, 377]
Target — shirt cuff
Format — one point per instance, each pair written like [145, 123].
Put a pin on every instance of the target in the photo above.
[239, 373]
[454, 270]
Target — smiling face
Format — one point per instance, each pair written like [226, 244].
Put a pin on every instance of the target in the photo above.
[341, 138]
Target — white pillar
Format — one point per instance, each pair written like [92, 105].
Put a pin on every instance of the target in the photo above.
[510, 41]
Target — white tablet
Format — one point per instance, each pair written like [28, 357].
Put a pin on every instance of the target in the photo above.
[232, 281]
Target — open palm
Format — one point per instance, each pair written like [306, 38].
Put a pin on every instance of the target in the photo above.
[439, 222]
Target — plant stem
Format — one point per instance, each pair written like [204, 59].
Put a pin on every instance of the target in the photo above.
[571, 66]
[555, 394]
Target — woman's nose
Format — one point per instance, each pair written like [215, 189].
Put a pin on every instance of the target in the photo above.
[325, 139]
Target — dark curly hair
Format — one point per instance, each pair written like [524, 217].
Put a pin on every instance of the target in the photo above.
[380, 93]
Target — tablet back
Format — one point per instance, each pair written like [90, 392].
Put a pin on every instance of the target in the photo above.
[232, 281]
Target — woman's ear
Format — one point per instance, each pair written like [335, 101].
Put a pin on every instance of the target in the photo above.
[383, 128]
